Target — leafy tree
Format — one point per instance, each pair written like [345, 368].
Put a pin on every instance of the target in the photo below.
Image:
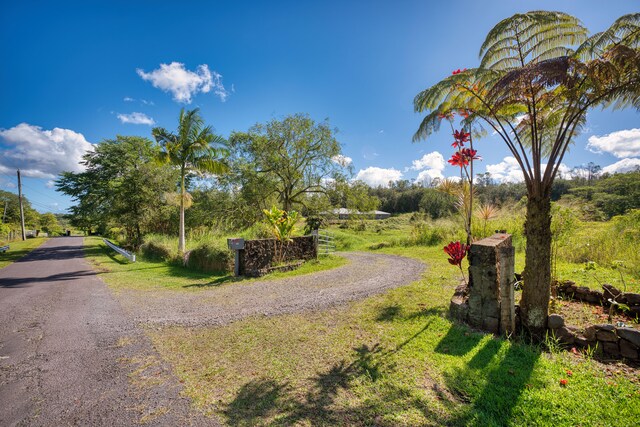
[122, 184]
[49, 223]
[533, 88]
[289, 158]
[12, 214]
[194, 148]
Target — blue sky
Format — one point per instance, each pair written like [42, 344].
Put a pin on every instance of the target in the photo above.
[78, 72]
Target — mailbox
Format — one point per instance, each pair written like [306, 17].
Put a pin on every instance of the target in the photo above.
[236, 244]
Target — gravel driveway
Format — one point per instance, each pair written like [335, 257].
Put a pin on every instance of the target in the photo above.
[366, 274]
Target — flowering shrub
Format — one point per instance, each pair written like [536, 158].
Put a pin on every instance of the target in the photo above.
[457, 251]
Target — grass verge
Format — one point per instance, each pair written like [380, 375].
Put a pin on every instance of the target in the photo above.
[18, 249]
[145, 275]
[390, 360]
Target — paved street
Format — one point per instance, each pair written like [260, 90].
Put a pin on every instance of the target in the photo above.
[68, 353]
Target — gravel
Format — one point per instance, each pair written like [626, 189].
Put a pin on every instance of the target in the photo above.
[366, 274]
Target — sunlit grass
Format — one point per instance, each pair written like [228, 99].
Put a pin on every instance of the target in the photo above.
[18, 249]
[392, 359]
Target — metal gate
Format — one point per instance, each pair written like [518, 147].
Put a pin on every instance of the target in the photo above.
[326, 243]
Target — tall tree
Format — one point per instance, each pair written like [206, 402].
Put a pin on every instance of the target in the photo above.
[290, 158]
[193, 149]
[539, 74]
[121, 185]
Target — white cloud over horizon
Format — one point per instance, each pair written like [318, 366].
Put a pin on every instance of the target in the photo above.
[183, 84]
[624, 165]
[431, 166]
[378, 177]
[622, 144]
[508, 170]
[342, 160]
[42, 153]
[136, 119]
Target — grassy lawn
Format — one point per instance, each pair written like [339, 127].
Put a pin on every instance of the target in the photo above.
[393, 359]
[18, 249]
[146, 275]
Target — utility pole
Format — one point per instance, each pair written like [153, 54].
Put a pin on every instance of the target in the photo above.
[4, 214]
[24, 236]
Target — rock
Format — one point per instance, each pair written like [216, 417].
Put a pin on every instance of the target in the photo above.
[611, 348]
[590, 333]
[606, 333]
[555, 321]
[582, 290]
[458, 308]
[630, 334]
[593, 297]
[632, 299]
[565, 335]
[628, 350]
[583, 342]
[461, 289]
[611, 291]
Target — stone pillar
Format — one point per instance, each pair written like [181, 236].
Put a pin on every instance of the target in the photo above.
[491, 278]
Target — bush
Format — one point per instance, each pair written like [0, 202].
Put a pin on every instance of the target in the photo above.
[426, 234]
[159, 248]
[210, 257]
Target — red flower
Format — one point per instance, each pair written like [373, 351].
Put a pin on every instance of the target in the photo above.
[463, 157]
[456, 251]
[464, 113]
[458, 71]
[563, 382]
[458, 160]
[460, 138]
[569, 373]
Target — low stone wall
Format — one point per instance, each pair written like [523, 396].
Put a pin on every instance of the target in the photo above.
[607, 340]
[258, 255]
[568, 289]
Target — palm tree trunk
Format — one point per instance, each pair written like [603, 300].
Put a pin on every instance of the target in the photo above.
[534, 306]
[181, 239]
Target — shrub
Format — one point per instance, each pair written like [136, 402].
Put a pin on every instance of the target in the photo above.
[211, 257]
[158, 248]
[426, 234]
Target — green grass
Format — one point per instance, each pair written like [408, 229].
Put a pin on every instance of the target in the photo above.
[390, 360]
[18, 249]
[145, 275]
[393, 359]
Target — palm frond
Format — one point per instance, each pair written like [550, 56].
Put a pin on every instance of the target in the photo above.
[525, 38]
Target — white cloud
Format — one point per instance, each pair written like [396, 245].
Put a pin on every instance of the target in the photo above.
[622, 144]
[507, 170]
[128, 99]
[427, 176]
[378, 177]
[624, 165]
[136, 119]
[182, 83]
[343, 161]
[50, 184]
[42, 153]
[433, 160]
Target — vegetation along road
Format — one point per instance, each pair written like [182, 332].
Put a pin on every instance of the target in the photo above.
[69, 352]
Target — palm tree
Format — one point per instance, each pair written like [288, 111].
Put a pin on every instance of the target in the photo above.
[194, 148]
[539, 74]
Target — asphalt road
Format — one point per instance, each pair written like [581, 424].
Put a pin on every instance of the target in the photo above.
[69, 355]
